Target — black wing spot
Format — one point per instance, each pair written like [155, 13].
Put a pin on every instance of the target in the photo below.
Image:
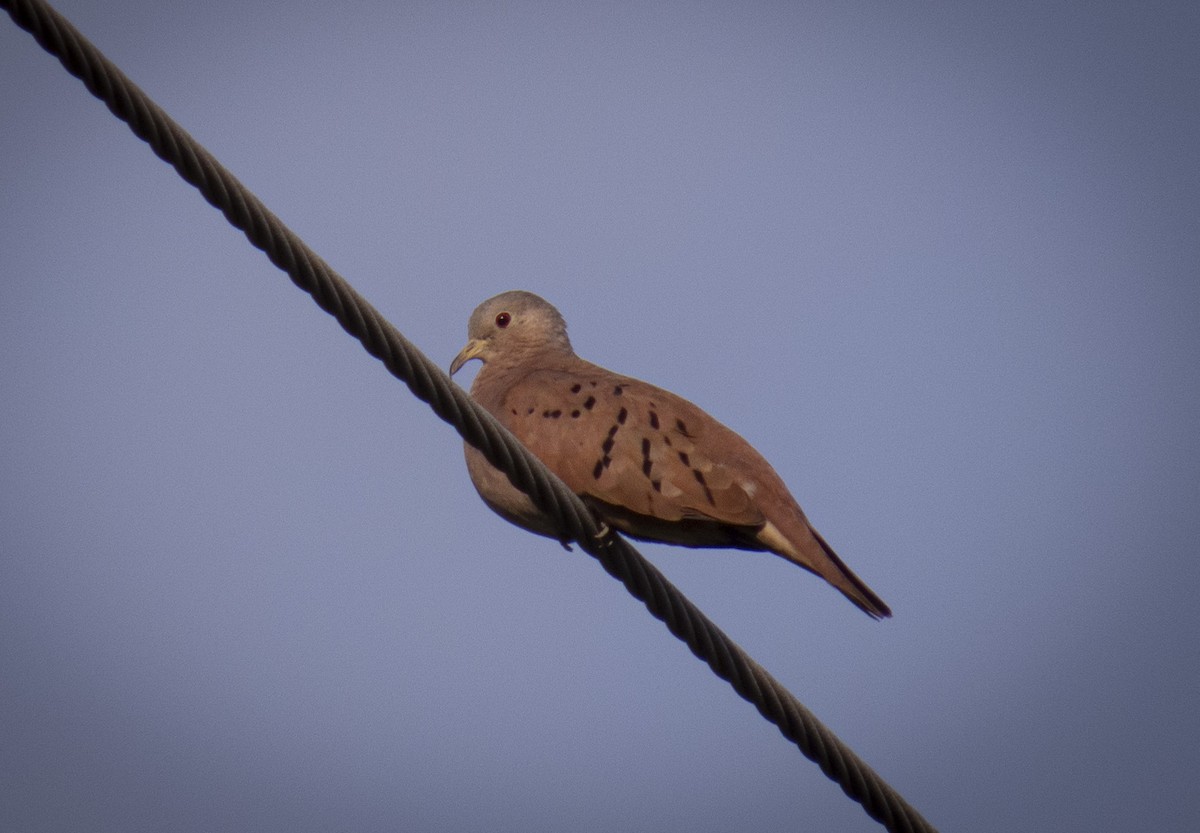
[514, 411]
[609, 442]
[590, 402]
[576, 388]
[622, 415]
[598, 470]
[707, 491]
[646, 463]
[575, 414]
[682, 426]
[555, 414]
[654, 420]
[683, 458]
[530, 411]
[618, 390]
[657, 484]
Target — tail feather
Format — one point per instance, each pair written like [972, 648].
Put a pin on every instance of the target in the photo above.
[854, 588]
[814, 554]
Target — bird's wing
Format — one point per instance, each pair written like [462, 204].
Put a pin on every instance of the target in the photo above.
[632, 445]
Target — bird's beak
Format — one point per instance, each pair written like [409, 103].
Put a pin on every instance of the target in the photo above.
[472, 351]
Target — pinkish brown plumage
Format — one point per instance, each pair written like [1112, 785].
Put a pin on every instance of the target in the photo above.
[649, 463]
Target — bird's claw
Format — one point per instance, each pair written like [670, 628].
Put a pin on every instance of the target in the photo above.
[604, 537]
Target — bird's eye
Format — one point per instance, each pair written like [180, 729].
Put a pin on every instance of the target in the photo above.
[503, 320]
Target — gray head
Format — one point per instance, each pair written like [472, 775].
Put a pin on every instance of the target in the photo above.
[511, 326]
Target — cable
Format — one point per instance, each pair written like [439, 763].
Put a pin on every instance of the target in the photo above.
[430, 384]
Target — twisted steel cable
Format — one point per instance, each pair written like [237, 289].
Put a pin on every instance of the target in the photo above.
[430, 384]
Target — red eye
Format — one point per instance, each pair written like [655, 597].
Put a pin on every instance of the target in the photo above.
[503, 319]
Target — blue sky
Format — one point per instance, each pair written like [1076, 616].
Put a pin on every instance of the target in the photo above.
[938, 262]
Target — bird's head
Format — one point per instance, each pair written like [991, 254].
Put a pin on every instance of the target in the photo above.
[510, 327]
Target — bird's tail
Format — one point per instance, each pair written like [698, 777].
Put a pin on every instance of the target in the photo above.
[852, 587]
[808, 549]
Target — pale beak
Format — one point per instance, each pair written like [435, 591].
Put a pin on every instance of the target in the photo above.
[473, 350]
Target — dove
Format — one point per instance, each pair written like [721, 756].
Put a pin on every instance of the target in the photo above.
[647, 462]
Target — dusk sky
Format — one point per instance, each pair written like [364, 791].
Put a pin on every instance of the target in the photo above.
[939, 262]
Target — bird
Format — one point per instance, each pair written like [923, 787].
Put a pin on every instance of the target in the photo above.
[646, 461]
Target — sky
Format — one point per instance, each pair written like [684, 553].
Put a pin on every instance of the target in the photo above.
[937, 261]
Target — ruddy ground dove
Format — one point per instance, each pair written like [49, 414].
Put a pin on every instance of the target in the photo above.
[648, 463]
